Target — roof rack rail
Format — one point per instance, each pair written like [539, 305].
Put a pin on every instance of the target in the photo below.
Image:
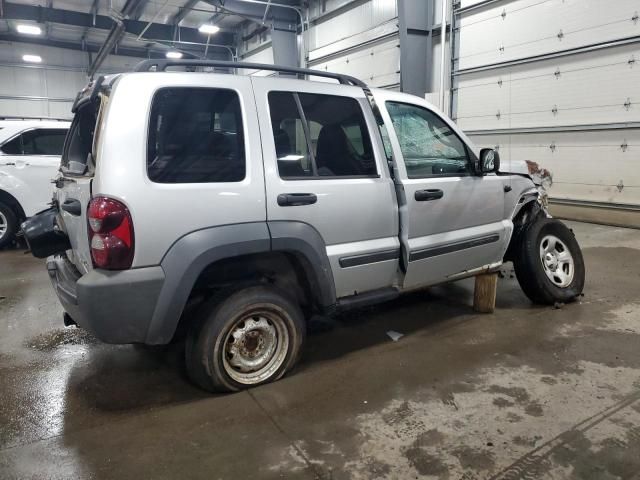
[22, 117]
[161, 65]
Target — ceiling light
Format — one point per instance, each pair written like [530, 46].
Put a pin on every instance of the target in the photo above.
[173, 54]
[29, 29]
[209, 29]
[32, 58]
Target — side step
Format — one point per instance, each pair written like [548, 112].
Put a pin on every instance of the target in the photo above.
[368, 298]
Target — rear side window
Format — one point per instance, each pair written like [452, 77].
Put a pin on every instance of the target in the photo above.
[320, 136]
[43, 141]
[196, 136]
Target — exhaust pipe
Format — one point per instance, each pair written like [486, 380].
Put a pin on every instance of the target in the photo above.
[68, 321]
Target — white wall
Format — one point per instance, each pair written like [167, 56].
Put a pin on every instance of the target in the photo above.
[47, 89]
[576, 90]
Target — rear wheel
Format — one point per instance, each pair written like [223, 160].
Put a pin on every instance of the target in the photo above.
[549, 264]
[8, 224]
[251, 337]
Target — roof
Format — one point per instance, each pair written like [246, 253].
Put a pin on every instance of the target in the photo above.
[151, 27]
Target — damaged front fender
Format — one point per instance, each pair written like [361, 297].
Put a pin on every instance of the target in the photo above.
[527, 198]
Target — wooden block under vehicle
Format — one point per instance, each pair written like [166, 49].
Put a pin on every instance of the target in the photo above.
[484, 294]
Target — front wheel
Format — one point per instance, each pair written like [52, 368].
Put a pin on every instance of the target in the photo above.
[549, 264]
[251, 337]
[8, 224]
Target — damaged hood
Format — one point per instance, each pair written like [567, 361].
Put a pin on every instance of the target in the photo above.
[540, 176]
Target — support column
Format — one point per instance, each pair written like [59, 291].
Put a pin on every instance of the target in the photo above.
[415, 18]
[285, 47]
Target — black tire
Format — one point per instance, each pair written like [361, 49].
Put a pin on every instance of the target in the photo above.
[531, 273]
[207, 355]
[9, 216]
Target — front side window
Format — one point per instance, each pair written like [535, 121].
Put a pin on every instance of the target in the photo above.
[320, 136]
[429, 146]
[196, 136]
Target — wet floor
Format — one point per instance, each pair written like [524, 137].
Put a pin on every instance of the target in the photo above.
[527, 392]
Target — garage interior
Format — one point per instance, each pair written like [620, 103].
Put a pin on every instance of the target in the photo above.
[418, 387]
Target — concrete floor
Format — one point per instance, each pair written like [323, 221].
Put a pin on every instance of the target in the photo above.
[527, 392]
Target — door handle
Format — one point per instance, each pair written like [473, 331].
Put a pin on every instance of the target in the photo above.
[72, 206]
[429, 194]
[295, 199]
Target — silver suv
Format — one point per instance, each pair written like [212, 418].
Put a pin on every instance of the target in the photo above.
[235, 207]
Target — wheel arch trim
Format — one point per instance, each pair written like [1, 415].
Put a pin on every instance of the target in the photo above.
[191, 254]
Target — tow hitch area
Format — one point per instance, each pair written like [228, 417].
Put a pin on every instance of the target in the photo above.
[43, 235]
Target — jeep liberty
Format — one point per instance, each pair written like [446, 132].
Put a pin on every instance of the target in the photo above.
[235, 207]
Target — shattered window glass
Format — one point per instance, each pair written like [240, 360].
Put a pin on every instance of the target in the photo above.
[429, 147]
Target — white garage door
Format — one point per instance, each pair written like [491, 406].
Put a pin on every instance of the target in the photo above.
[558, 82]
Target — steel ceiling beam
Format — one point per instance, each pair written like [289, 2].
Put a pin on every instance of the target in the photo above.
[132, 10]
[141, 52]
[160, 31]
[284, 18]
[184, 11]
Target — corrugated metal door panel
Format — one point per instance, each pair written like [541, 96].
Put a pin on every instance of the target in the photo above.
[22, 81]
[377, 65]
[585, 88]
[351, 22]
[24, 108]
[534, 27]
[469, 3]
[60, 109]
[64, 83]
[600, 166]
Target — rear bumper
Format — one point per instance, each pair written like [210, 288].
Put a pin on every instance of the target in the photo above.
[115, 306]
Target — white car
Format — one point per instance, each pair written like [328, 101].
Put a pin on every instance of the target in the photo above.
[29, 159]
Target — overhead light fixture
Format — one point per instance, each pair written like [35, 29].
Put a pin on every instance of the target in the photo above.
[29, 29]
[32, 58]
[174, 54]
[209, 29]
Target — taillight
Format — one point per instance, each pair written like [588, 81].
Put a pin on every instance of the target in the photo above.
[110, 234]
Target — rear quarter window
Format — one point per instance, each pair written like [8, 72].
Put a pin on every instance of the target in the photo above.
[77, 155]
[196, 136]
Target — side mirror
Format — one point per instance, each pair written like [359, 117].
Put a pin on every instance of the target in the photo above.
[489, 161]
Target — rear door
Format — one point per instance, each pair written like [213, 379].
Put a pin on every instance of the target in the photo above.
[324, 168]
[451, 218]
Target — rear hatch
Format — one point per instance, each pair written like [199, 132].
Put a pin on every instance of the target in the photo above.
[77, 167]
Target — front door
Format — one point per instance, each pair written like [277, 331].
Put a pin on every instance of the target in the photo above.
[454, 219]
